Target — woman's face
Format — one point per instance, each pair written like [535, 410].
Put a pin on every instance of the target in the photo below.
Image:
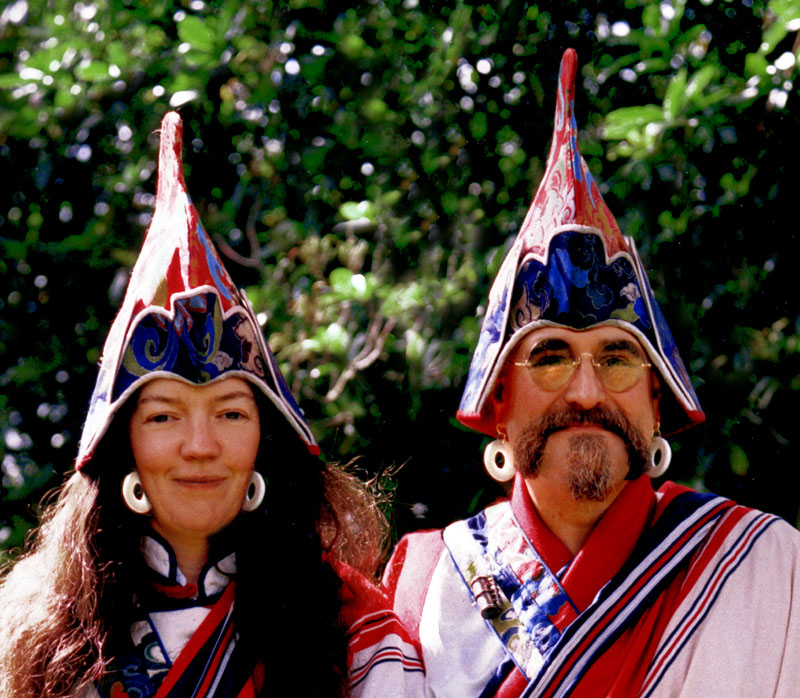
[194, 448]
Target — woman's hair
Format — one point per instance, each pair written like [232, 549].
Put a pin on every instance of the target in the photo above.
[53, 637]
[66, 605]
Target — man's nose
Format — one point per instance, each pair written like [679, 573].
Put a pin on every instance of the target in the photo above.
[200, 441]
[584, 388]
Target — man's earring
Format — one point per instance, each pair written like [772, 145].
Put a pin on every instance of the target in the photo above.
[660, 456]
[133, 494]
[255, 492]
[498, 461]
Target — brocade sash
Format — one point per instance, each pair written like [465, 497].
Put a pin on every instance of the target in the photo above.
[535, 622]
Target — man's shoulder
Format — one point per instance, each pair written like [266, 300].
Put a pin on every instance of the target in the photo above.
[420, 551]
[421, 541]
[408, 575]
[739, 530]
[767, 531]
[415, 554]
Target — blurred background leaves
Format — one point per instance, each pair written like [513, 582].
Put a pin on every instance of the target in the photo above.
[363, 173]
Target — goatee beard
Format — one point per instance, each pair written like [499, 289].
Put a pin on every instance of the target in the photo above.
[589, 475]
[588, 457]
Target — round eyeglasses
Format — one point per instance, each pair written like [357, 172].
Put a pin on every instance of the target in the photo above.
[618, 367]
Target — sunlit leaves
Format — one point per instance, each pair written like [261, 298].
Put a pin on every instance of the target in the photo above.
[345, 285]
[197, 33]
[629, 122]
[93, 71]
[783, 16]
[354, 211]
[364, 172]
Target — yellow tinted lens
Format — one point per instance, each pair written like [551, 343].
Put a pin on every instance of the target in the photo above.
[554, 374]
[620, 375]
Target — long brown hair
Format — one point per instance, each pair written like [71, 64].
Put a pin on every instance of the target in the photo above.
[68, 601]
[53, 639]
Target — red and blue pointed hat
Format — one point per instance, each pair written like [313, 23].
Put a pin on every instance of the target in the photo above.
[570, 266]
[182, 316]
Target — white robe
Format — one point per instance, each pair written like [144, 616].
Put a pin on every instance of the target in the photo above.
[731, 628]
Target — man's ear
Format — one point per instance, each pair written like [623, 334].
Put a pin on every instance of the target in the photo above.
[499, 391]
[497, 398]
[656, 382]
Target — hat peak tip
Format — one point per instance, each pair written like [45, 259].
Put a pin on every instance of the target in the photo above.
[569, 68]
[171, 134]
[170, 157]
[171, 120]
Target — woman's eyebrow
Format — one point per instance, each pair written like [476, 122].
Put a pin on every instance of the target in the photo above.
[235, 395]
[157, 398]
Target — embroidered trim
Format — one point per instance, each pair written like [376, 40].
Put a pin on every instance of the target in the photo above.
[554, 658]
[206, 665]
[531, 599]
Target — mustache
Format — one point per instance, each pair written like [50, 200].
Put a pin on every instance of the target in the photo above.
[605, 417]
[529, 450]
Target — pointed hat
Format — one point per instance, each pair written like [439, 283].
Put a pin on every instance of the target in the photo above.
[570, 266]
[182, 316]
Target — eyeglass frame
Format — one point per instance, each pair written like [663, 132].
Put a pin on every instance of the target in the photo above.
[576, 362]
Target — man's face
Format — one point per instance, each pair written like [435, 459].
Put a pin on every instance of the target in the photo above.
[588, 433]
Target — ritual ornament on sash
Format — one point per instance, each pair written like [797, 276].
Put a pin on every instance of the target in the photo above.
[570, 266]
[182, 316]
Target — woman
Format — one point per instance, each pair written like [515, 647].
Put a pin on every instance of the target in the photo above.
[201, 548]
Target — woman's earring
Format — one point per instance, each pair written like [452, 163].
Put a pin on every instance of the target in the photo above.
[255, 492]
[660, 456]
[498, 461]
[133, 494]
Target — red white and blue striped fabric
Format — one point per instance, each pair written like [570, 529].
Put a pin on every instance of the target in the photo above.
[204, 667]
[717, 570]
[678, 595]
[188, 648]
[382, 661]
[376, 639]
[678, 533]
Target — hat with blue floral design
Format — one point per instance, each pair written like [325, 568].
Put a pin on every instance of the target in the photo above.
[182, 316]
[570, 266]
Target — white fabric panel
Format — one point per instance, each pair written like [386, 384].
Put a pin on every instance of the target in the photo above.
[749, 642]
[460, 651]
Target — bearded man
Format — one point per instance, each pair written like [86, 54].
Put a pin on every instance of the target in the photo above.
[586, 581]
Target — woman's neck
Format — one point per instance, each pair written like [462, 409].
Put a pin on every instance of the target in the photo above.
[191, 554]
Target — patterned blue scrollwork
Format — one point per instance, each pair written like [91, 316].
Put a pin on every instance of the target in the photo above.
[197, 344]
[126, 677]
[577, 287]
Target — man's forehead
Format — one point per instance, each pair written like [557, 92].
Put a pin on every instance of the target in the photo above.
[590, 340]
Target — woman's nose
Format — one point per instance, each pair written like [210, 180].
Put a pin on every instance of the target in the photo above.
[200, 441]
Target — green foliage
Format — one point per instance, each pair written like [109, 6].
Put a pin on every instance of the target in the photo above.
[363, 173]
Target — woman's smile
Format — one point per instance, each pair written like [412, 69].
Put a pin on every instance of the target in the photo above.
[195, 448]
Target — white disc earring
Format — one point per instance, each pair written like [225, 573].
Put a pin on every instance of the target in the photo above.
[255, 492]
[498, 461]
[660, 457]
[133, 494]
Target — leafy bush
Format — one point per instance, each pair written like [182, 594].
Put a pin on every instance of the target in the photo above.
[363, 173]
